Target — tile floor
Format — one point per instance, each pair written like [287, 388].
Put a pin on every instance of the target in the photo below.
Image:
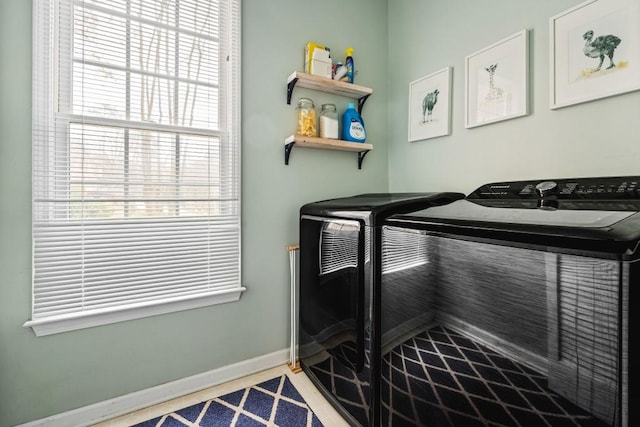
[442, 378]
[327, 415]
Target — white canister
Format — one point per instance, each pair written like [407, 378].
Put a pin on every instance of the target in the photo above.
[329, 121]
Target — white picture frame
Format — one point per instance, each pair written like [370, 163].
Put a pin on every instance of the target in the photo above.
[584, 41]
[430, 106]
[497, 81]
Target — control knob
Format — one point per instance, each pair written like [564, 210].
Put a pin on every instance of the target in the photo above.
[545, 188]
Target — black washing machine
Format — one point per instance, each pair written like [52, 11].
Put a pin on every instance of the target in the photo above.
[526, 299]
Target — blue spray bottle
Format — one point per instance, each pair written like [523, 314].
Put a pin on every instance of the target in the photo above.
[348, 62]
[353, 125]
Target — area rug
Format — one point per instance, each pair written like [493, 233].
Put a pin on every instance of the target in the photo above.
[275, 402]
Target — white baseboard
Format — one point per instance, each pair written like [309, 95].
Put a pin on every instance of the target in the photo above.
[118, 406]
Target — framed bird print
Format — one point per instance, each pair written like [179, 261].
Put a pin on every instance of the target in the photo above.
[497, 81]
[430, 106]
[595, 51]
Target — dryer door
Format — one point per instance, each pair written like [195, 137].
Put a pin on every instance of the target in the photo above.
[332, 281]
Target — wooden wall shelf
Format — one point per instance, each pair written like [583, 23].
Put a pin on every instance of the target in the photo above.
[323, 84]
[326, 144]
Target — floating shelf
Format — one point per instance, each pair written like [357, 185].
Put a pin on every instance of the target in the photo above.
[323, 84]
[326, 144]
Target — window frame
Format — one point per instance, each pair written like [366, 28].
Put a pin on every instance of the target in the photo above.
[46, 57]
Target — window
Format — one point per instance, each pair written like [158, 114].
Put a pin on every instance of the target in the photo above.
[136, 159]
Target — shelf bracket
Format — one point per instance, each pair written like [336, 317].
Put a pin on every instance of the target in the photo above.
[290, 87]
[361, 155]
[361, 102]
[287, 152]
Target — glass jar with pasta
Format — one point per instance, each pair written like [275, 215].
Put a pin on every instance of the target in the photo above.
[306, 118]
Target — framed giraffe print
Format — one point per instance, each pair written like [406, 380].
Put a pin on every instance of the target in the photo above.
[594, 51]
[430, 106]
[497, 81]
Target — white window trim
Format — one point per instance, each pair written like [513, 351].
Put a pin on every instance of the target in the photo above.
[66, 323]
[87, 319]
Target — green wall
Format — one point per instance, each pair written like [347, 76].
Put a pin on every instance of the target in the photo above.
[44, 376]
[598, 138]
[395, 43]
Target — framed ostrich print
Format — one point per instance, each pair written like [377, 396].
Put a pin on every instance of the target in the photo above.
[595, 51]
[430, 106]
[497, 81]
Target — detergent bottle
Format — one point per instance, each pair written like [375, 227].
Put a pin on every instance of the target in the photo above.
[348, 62]
[352, 125]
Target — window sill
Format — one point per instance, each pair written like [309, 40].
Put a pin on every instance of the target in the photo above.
[70, 322]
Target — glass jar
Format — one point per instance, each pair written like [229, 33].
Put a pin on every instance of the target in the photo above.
[329, 121]
[306, 117]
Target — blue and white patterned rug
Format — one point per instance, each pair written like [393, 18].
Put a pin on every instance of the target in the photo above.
[275, 402]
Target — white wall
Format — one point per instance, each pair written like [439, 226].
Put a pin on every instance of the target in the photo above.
[598, 138]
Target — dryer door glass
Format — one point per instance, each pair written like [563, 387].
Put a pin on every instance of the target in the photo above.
[332, 257]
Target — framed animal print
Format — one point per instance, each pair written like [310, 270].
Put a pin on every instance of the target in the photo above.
[430, 106]
[497, 81]
[594, 52]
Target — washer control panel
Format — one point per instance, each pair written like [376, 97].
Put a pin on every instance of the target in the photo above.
[614, 188]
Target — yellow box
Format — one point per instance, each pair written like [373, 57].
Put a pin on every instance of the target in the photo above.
[317, 60]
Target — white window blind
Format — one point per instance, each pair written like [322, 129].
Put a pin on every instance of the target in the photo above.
[136, 159]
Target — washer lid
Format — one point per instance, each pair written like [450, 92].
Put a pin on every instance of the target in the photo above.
[470, 211]
[586, 216]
